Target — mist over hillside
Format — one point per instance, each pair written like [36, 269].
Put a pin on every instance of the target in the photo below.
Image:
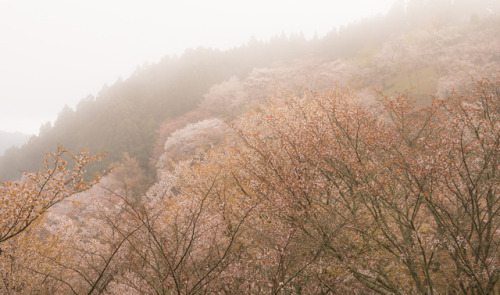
[10, 139]
[406, 49]
[363, 162]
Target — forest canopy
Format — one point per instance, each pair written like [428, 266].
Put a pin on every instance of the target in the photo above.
[364, 162]
[318, 193]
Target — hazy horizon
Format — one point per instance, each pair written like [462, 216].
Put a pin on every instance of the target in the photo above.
[56, 52]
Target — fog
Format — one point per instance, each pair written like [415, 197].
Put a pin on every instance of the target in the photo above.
[250, 148]
[56, 52]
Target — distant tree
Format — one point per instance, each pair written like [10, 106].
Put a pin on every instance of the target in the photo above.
[45, 128]
[192, 140]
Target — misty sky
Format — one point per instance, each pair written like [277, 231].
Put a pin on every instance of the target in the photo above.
[56, 52]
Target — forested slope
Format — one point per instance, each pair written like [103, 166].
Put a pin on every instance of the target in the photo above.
[124, 117]
[380, 178]
[406, 49]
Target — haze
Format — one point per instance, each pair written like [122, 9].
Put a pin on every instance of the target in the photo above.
[57, 52]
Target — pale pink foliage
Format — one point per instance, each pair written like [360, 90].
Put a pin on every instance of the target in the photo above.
[236, 96]
[191, 141]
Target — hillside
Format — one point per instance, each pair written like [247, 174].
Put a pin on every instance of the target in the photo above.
[391, 53]
[10, 139]
[364, 162]
[124, 116]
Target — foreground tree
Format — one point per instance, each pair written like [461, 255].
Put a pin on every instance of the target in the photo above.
[23, 204]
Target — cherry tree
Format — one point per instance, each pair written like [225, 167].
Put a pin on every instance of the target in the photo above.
[394, 200]
[24, 241]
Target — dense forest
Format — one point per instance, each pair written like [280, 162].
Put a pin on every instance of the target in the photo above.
[363, 162]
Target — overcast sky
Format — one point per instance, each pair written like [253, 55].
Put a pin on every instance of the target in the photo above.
[56, 52]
